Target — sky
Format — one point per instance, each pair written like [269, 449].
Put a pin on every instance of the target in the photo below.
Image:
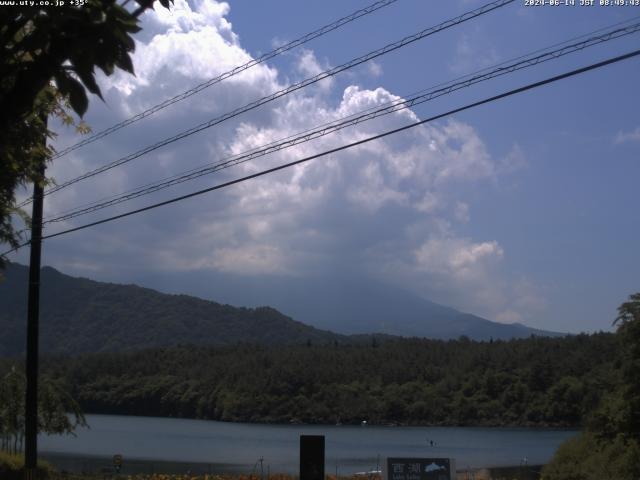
[521, 210]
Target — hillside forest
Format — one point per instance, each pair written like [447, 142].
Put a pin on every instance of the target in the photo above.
[531, 382]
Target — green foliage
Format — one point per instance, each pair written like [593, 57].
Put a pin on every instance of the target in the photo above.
[587, 458]
[610, 446]
[418, 382]
[80, 315]
[58, 412]
[12, 467]
[64, 44]
[12, 395]
[40, 45]
[628, 321]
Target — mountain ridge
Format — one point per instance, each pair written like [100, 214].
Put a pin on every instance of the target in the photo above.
[82, 315]
[346, 305]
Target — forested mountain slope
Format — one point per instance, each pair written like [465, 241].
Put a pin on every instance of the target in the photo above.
[80, 315]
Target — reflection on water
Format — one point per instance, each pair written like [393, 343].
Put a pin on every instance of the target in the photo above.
[236, 447]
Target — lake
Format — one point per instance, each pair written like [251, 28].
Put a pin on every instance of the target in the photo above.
[199, 445]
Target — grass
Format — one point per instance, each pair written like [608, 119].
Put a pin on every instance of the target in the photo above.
[12, 467]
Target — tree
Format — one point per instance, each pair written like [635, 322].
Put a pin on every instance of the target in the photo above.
[610, 446]
[588, 458]
[40, 45]
[58, 414]
[12, 387]
[619, 414]
[628, 321]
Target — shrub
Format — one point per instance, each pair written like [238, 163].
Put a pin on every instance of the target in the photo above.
[588, 457]
[12, 467]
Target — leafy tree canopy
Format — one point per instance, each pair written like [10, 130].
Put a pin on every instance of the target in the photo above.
[399, 381]
[628, 322]
[41, 45]
[609, 449]
[58, 412]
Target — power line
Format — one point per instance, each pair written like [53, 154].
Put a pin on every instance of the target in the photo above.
[323, 130]
[297, 86]
[210, 167]
[234, 71]
[494, 98]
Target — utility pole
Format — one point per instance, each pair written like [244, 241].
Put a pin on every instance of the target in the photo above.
[33, 312]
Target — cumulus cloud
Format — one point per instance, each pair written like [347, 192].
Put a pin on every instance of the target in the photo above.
[435, 262]
[309, 66]
[386, 208]
[456, 257]
[194, 43]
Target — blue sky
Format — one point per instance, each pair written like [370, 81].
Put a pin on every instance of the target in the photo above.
[520, 210]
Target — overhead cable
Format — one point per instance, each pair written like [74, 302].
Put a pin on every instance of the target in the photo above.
[494, 98]
[386, 109]
[292, 88]
[234, 71]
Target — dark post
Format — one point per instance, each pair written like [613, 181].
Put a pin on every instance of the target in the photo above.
[33, 310]
[311, 457]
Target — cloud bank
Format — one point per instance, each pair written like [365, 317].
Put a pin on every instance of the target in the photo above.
[389, 209]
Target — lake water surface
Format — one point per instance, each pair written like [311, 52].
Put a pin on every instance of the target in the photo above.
[237, 447]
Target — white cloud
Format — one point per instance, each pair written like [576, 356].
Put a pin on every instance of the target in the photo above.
[371, 192]
[309, 66]
[457, 257]
[187, 45]
[447, 268]
[462, 154]
[625, 137]
[385, 208]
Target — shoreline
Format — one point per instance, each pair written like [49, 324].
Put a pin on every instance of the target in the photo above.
[532, 426]
[294, 422]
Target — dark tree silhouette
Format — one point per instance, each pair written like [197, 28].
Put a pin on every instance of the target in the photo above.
[41, 45]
